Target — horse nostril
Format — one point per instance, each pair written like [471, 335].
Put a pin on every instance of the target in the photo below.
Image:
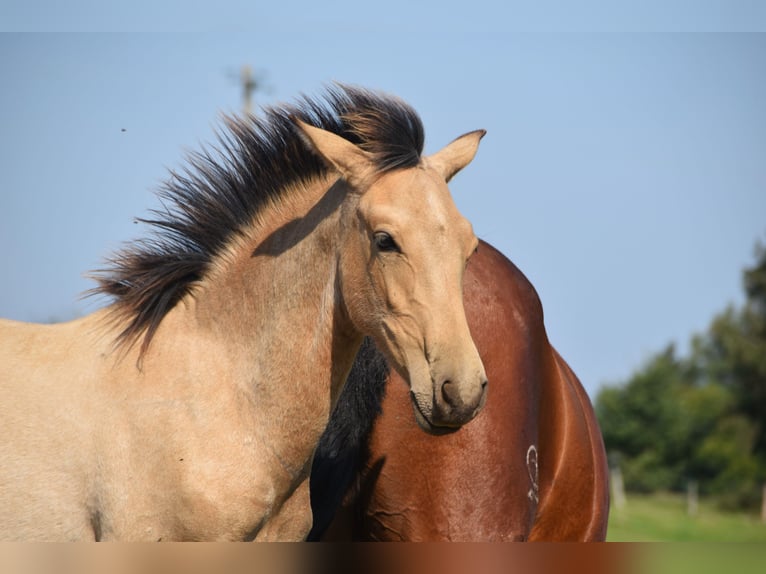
[449, 393]
[452, 397]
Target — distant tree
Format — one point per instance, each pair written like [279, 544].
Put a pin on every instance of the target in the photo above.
[641, 424]
[733, 351]
[733, 354]
[702, 417]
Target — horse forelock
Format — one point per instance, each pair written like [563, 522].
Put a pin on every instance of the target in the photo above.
[223, 189]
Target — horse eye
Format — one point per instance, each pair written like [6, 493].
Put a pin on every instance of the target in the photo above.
[385, 243]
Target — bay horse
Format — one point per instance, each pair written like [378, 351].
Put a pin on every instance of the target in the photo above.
[190, 407]
[531, 467]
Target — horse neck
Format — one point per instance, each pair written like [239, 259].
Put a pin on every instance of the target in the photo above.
[270, 312]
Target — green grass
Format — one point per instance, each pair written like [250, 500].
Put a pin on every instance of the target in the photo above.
[663, 518]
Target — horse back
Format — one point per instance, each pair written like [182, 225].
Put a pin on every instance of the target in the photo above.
[574, 490]
[544, 407]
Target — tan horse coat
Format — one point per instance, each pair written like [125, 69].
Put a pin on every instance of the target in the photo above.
[206, 429]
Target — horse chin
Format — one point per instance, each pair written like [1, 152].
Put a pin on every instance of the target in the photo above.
[425, 424]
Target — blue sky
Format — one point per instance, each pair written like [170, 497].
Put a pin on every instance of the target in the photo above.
[623, 170]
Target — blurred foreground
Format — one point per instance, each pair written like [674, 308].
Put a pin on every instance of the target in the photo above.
[372, 558]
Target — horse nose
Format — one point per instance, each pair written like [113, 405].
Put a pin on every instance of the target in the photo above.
[461, 403]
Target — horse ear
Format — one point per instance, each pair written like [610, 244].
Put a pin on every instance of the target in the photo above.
[352, 162]
[456, 155]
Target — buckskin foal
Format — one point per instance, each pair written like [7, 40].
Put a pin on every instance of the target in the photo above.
[190, 408]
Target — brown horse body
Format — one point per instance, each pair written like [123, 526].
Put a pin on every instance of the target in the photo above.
[531, 467]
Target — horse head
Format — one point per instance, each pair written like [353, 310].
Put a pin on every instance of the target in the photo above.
[402, 256]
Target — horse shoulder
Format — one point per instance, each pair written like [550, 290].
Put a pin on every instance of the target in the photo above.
[182, 448]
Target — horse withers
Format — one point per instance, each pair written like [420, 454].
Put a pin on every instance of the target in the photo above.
[190, 408]
[531, 467]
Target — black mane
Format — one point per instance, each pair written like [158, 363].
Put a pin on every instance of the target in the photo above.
[343, 446]
[219, 192]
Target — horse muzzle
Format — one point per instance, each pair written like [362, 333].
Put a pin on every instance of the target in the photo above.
[451, 404]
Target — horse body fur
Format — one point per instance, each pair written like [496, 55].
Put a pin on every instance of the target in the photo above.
[173, 446]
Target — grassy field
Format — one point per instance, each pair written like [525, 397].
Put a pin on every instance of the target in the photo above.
[663, 518]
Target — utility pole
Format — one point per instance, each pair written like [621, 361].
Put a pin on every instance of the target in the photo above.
[249, 83]
[249, 86]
